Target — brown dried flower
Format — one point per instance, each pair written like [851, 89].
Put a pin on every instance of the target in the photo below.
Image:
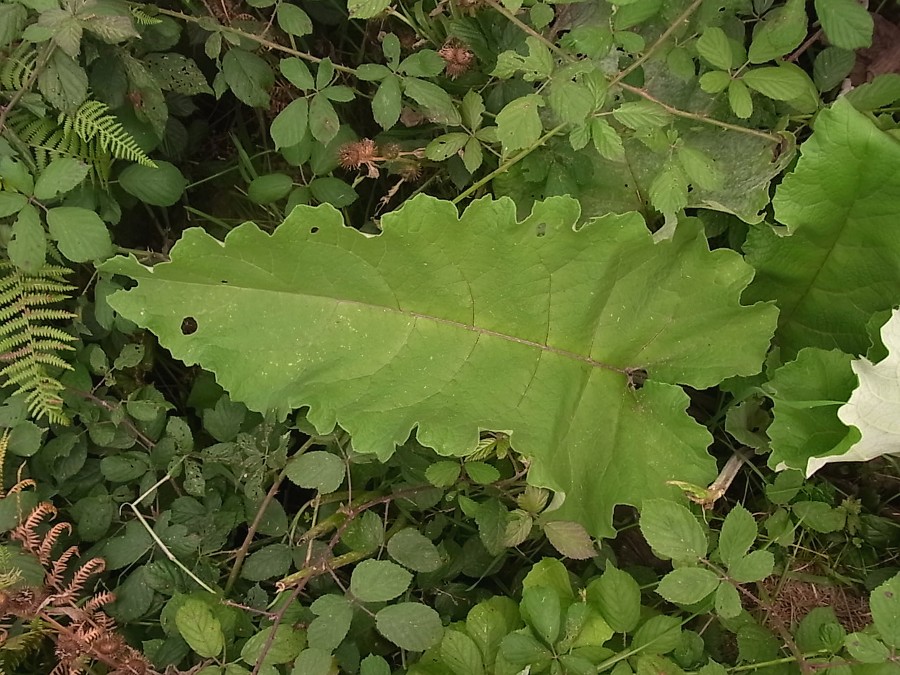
[360, 153]
[457, 58]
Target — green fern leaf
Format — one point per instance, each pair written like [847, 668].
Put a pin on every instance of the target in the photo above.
[92, 121]
[29, 345]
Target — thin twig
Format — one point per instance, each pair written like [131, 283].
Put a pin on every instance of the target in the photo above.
[260, 513]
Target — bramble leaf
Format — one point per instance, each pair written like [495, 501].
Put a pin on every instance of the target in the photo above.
[531, 327]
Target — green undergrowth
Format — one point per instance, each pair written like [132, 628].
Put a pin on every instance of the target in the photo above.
[456, 337]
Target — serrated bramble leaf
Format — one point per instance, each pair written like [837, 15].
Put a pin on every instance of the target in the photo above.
[270, 561]
[437, 103]
[847, 24]
[289, 127]
[519, 123]
[293, 20]
[79, 233]
[658, 635]
[715, 46]
[884, 602]
[570, 539]
[323, 119]
[161, 185]
[481, 473]
[297, 73]
[460, 654]
[779, 83]
[400, 319]
[700, 168]
[607, 140]
[333, 617]
[472, 155]
[687, 585]
[366, 9]
[410, 625]
[737, 535]
[618, 597]
[317, 470]
[669, 190]
[444, 147]
[200, 628]
[866, 648]
[27, 249]
[378, 581]
[414, 550]
[541, 610]
[386, 104]
[642, 115]
[835, 205]
[754, 566]
[672, 530]
[728, 601]
[523, 649]
[269, 188]
[282, 647]
[59, 176]
[715, 81]
[781, 30]
[443, 474]
[739, 99]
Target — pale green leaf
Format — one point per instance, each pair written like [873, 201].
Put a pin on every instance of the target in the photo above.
[410, 625]
[378, 581]
[509, 372]
[866, 649]
[607, 140]
[63, 82]
[541, 609]
[323, 119]
[739, 99]
[297, 73]
[443, 474]
[819, 516]
[444, 147]
[714, 81]
[728, 601]
[200, 628]
[642, 115]
[571, 102]
[658, 635]
[669, 190]
[847, 24]
[11, 202]
[12, 21]
[80, 234]
[283, 647]
[839, 204]
[672, 530]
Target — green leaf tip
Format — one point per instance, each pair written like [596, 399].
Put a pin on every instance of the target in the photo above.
[575, 339]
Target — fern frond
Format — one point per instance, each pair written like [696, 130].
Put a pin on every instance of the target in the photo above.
[10, 575]
[16, 69]
[141, 17]
[29, 345]
[92, 121]
[17, 648]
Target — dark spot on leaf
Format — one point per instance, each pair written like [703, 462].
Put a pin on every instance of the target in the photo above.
[313, 230]
[541, 229]
[224, 281]
[189, 326]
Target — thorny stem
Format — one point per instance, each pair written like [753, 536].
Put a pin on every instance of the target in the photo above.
[260, 512]
[775, 138]
[641, 60]
[279, 616]
[513, 19]
[203, 23]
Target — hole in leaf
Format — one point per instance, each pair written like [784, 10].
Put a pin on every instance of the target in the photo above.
[636, 378]
[313, 230]
[189, 326]
[224, 281]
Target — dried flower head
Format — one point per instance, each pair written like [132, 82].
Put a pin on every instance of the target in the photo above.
[457, 58]
[360, 153]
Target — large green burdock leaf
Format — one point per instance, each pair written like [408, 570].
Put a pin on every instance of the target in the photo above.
[839, 265]
[452, 325]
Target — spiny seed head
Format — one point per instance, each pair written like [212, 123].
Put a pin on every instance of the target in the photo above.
[354, 155]
[457, 58]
